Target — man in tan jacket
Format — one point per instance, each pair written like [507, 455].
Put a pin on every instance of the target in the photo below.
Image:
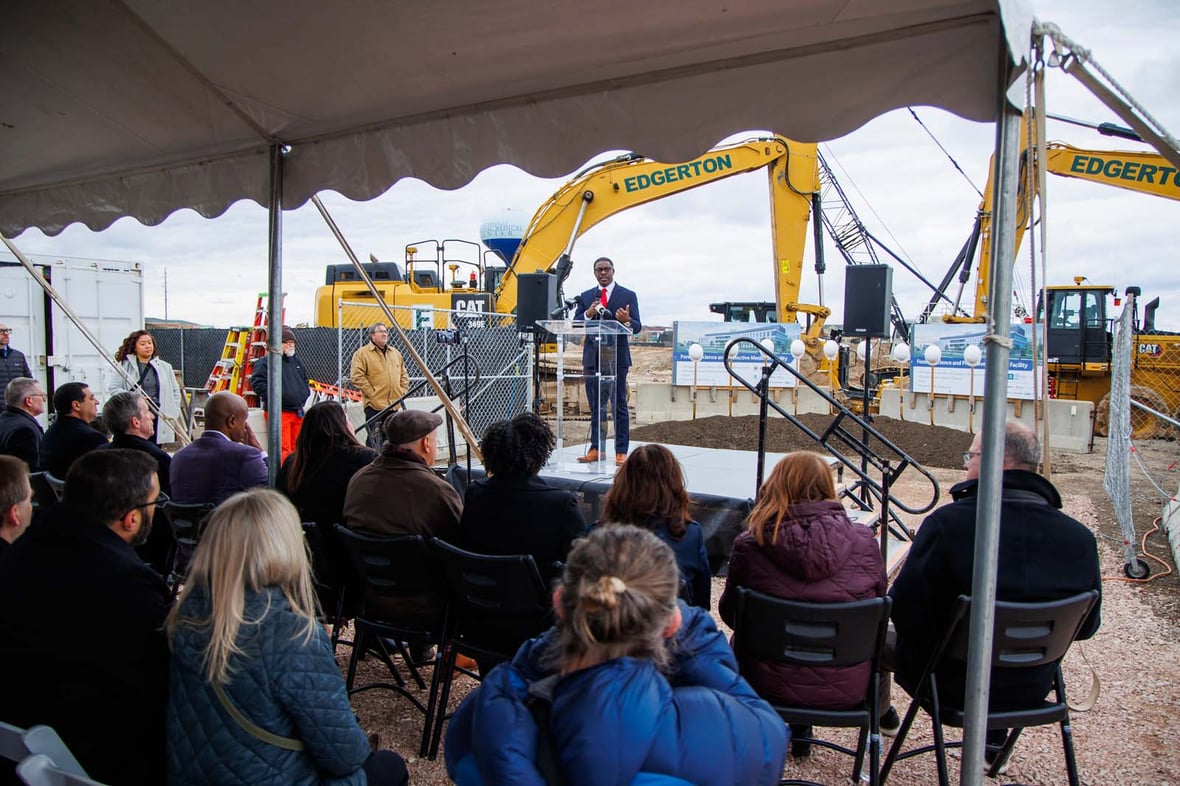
[379, 373]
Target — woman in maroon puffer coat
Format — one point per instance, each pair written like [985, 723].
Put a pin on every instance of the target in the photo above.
[800, 545]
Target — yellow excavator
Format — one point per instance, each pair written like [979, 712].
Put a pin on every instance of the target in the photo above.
[1078, 342]
[591, 196]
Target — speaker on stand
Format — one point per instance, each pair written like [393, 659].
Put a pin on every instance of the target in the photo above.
[868, 295]
[536, 301]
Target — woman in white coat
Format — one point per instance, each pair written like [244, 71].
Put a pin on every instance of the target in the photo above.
[153, 376]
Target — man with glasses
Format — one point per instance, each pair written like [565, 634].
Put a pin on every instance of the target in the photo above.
[81, 621]
[378, 371]
[20, 432]
[608, 300]
[12, 361]
[1043, 555]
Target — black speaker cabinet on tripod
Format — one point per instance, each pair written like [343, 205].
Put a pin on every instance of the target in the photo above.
[536, 300]
[868, 293]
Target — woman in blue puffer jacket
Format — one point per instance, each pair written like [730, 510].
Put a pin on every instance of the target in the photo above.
[255, 696]
[631, 687]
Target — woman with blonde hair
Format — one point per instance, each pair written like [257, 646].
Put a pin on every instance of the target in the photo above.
[801, 545]
[153, 376]
[630, 686]
[255, 695]
[649, 492]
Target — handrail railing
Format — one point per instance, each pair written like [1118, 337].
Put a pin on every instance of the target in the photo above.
[890, 467]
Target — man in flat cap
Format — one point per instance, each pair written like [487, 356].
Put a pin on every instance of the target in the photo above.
[399, 494]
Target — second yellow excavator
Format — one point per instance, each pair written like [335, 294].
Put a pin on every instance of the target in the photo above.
[1078, 341]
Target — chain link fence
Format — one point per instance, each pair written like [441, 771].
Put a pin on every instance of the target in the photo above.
[1141, 440]
[499, 363]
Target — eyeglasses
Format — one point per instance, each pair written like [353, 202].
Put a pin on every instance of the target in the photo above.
[5, 331]
[970, 454]
[160, 501]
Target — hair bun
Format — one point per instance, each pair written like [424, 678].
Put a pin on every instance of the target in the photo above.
[605, 591]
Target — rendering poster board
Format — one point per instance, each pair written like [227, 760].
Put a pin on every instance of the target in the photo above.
[714, 336]
[952, 374]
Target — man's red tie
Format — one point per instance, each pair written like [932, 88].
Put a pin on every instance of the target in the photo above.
[603, 298]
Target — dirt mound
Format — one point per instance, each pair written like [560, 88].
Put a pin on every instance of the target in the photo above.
[930, 446]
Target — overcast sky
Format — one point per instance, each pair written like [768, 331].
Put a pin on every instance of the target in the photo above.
[713, 243]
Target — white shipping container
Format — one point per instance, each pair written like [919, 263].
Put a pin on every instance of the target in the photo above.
[106, 295]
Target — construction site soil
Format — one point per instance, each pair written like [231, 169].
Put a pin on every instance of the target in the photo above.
[930, 446]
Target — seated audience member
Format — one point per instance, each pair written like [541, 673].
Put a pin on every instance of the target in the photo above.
[71, 434]
[649, 492]
[315, 478]
[638, 688]
[513, 511]
[224, 460]
[81, 622]
[800, 545]
[399, 494]
[327, 454]
[1043, 555]
[20, 433]
[16, 500]
[246, 642]
[132, 425]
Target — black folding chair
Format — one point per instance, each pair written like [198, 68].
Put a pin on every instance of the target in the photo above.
[1026, 635]
[47, 490]
[820, 635]
[187, 522]
[394, 570]
[336, 587]
[496, 603]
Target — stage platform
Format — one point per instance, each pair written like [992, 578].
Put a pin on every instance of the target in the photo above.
[722, 484]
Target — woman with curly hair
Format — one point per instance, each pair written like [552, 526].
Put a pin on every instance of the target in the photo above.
[649, 492]
[151, 375]
[514, 511]
[801, 545]
[629, 687]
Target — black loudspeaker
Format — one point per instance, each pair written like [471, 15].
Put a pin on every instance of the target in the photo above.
[868, 292]
[536, 300]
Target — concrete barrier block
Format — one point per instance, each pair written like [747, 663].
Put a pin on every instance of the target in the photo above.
[1070, 422]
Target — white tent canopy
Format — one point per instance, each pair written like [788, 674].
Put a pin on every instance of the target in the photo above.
[110, 108]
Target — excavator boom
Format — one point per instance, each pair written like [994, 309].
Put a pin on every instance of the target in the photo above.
[1145, 173]
[605, 189]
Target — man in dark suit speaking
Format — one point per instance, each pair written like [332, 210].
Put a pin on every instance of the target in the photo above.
[608, 301]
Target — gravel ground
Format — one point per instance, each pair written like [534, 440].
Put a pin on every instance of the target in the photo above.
[1123, 740]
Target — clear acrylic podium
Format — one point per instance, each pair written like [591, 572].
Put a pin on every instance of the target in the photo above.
[604, 335]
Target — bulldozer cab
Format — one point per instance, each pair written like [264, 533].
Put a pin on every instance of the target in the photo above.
[1077, 324]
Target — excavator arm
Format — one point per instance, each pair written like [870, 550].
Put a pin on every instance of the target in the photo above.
[605, 189]
[1146, 173]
